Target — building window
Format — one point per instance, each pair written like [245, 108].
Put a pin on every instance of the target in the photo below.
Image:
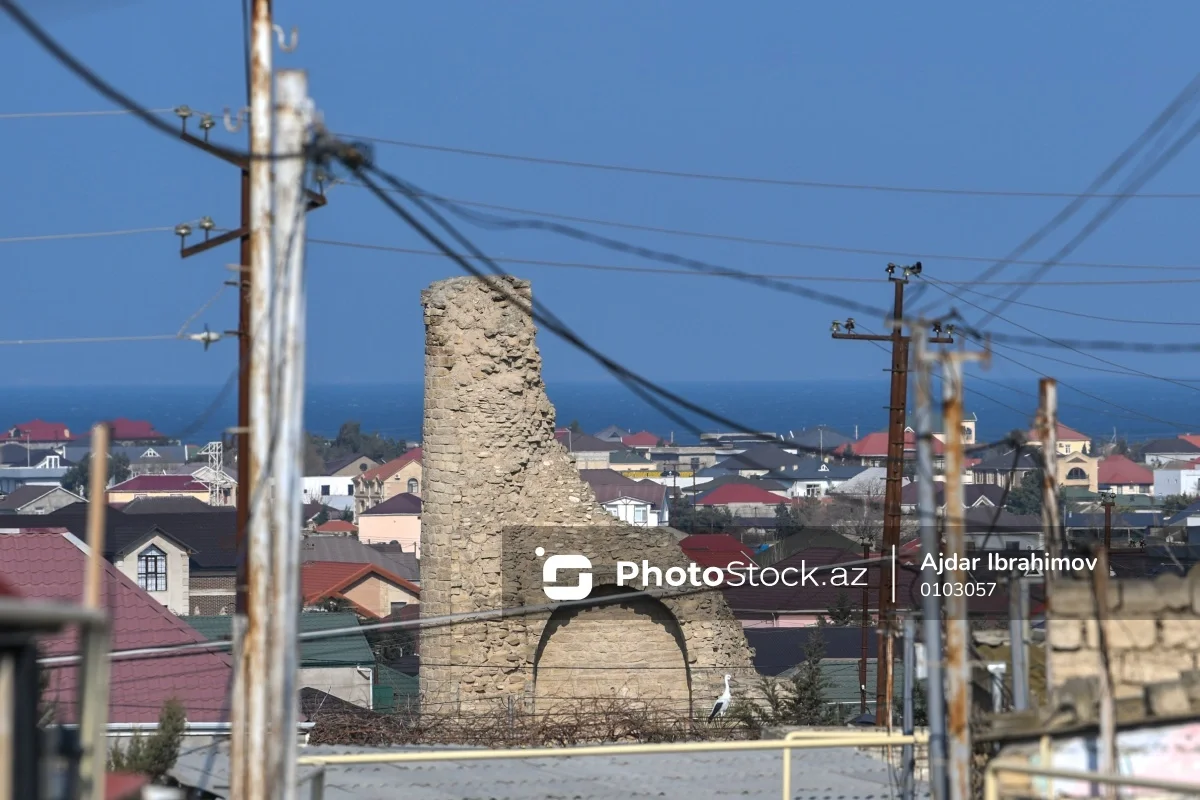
[324, 490]
[1012, 545]
[811, 490]
[1077, 474]
[152, 569]
[1066, 447]
[413, 485]
[639, 514]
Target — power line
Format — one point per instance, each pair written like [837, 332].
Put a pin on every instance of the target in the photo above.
[89, 235]
[112, 112]
[1182, 100]
[1102, 215]
[800, 245]
[93, 339]
[722, 273]
[1067, 312]
[726, 178]
[1081, 348]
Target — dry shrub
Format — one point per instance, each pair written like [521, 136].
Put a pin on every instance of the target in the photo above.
[585, 721]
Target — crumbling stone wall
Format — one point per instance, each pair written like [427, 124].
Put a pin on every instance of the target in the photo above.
[497, 486]
[1153, 632]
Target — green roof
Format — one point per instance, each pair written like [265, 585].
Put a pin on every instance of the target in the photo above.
[629, 457]
[392, 688]
[344, 650]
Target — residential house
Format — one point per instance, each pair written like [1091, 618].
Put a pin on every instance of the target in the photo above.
[627, 461]
[702, 485]
[872, 449]
[1178, 478]
[871, 482]
[37, 499]
[813, 478]
[335, 492]
[50, 566]
[368, 589]
[192, 555]
[1184, 526]
[158, 485]
[347, 549]
[336, 527]
[397, 519]
[757, 461]
[1122, 527]
[778, 652]
[1175, 453]
[589, 452]
[975, 495]
[820, 439]
[1008, 468]
[1078, 469]
[1118, 474]
[743, 500]
[168, 504]
[20, 465]
[124, 431]
[642, 503]
[641, 440]
[997, 529]
[342, 666]
[717, 550]
[144, 459]
[37, 432]
[349, 466]
[1068, 440]
[399, 476]
[613, 434]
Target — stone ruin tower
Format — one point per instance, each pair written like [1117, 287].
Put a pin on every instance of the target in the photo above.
[498, 485]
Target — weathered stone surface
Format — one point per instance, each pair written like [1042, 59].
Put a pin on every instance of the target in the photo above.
[1141, 597]
[1167, 699]
[1066, 636]
[1135, 667]
[1175, 590]
[497, 483]
[1123, 634]
[1180, 631]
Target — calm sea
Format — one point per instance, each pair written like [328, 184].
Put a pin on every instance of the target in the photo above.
[1136, 408]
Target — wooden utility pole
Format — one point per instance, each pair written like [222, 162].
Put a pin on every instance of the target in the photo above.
[95, 678]
[958, 664]
[1108, 499]
[866, 618]
[897, 414]
[1047, 426]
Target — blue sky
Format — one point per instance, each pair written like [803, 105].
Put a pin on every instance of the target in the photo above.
[1024, 96]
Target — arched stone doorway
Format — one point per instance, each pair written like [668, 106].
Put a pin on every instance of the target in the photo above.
[631, 650]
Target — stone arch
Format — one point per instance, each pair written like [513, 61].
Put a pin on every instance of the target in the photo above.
[633, 650]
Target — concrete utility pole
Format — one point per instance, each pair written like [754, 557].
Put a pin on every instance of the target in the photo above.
[1047, 426]
[1018, 614]
[866, 617]
[931, 544]
[294, 123]
[897, 413]
[908, 767]
[95, 680]
[958, 631]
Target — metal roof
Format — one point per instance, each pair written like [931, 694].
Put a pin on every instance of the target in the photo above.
[344, 650]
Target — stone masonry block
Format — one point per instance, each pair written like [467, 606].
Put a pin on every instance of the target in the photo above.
[1179, 631]
[1065, 634]
[1168, 699]
[1141, 598]
[1154, 666]
[1175, 590]
[1074, 599]
[1124, 634]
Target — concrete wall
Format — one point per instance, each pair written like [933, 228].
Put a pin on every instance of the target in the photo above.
[497, 482]
[403, 528]
[1153, 632]
[1176, 481]
[346, 683]
[176, 597]
[125, 497]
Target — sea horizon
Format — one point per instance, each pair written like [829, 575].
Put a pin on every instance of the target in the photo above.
[1136, 408]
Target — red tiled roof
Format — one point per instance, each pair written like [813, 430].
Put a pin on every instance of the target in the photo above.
[739, 493]
[1190, 437]
[875, 445]
[716, 550]
[1120, 471]
[160, 483]
[1063, 434]
[385, 471]
[641, 439]
[321, 580]
[139, 429]
[48, 567]
[37, 430]
[336, 526]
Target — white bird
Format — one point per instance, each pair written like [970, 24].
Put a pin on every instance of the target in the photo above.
[722, 705]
